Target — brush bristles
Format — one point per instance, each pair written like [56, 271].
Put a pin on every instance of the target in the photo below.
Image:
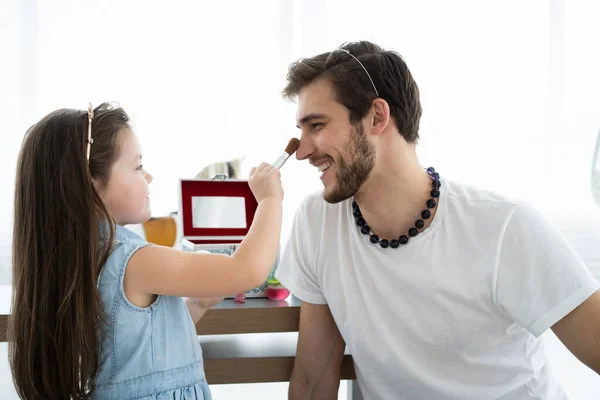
[292, 146]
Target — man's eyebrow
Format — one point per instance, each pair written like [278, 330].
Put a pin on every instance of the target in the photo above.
[309, 117]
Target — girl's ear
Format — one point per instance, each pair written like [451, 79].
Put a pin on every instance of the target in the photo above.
[99, 186]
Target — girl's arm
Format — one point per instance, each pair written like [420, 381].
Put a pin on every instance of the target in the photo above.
[158, 270]
[198, 307]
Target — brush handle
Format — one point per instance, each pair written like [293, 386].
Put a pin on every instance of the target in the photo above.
[281, 160]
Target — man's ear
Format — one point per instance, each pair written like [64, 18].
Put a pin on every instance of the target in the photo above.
[380, 116]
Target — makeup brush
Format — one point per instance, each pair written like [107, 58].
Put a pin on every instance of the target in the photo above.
[290, 149]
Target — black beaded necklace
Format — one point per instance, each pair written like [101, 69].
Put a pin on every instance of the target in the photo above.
[419, 223]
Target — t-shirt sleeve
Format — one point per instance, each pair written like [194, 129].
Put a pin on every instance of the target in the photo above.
[296, 270]
[540, 278]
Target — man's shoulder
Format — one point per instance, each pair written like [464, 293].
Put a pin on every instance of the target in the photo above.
[476, 197]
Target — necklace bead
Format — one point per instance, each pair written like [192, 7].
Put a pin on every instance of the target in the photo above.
[413, 231]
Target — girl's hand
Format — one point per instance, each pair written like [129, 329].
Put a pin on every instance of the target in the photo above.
[265, 182]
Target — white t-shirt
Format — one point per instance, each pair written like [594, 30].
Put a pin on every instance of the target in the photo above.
[454, 314]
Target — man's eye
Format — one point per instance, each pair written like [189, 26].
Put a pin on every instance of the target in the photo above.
[317, 126]
[140, 167]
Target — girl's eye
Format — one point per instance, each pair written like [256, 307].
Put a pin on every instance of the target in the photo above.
[141, 167]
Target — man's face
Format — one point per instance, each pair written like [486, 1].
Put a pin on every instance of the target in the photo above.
[340, 150]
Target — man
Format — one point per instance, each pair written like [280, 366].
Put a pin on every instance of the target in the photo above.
[439, 290]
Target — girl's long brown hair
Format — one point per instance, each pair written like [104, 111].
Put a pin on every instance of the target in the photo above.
[62, 237]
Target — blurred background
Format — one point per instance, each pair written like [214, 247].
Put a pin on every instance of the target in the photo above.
[510, 91]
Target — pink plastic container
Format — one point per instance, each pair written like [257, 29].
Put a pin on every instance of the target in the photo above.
[276, 291]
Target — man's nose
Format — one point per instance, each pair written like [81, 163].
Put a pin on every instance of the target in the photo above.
[305, 149]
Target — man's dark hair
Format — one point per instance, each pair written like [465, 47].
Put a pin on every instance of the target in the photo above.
[354, 89]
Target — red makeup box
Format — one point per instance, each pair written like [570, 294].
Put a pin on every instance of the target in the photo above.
[215, 216]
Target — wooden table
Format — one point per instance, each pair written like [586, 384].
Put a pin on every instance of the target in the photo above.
[242, 343]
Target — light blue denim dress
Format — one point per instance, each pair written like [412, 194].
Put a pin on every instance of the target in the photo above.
[145, 353]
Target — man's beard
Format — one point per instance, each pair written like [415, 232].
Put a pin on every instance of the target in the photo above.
[351, 175]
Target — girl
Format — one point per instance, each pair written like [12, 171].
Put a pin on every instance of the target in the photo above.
[97, 311]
